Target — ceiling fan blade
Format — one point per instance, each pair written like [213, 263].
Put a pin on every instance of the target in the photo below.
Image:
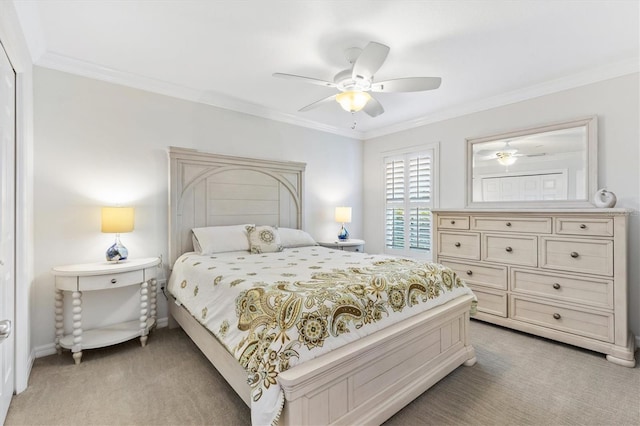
[369, 61]
[304, 79]
[318, 103]
[409, 84]
[373, 107]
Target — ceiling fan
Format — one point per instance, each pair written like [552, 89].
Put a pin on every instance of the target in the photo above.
[506, 155]
[355, 83]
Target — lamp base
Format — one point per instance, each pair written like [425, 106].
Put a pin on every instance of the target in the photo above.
[344, 234]
[117, 252]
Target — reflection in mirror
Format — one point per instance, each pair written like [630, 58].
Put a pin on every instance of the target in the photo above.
[547, 166]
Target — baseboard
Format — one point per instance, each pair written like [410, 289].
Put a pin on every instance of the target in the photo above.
[164, 322]
[23, 383]
[44, 350]
[50, 348]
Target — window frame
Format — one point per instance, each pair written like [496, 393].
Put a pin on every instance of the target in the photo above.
[404, 154]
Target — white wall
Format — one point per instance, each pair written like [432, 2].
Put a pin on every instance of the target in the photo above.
[99, 144]
[615, 102]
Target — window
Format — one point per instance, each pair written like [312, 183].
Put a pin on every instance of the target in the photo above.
[409, 195]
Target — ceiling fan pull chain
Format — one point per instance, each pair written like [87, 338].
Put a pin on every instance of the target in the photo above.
[353, 114]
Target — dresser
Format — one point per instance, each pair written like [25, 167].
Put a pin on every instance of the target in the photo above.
[559, 274]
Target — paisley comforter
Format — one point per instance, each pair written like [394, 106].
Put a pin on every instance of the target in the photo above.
[275, 310]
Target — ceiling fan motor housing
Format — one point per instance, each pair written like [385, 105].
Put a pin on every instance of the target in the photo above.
[345, 81]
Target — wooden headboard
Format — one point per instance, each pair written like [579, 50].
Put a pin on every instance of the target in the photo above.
[210, 189]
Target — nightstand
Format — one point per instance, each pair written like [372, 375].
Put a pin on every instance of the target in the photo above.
[346, 245]
[104, 276]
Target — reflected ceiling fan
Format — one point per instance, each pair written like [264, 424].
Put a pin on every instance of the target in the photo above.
[506, 155]
[355, 83]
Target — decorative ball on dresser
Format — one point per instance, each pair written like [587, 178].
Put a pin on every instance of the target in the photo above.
[604, 198]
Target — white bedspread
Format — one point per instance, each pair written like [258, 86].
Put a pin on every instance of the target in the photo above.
[275, 310]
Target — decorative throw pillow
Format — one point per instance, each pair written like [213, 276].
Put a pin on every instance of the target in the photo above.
[295, 238]
[218, 239]
[264, 239]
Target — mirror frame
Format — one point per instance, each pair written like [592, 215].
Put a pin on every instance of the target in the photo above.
[591, 124]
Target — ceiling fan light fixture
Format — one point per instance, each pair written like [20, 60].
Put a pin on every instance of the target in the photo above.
[353, 100]
[506, 158]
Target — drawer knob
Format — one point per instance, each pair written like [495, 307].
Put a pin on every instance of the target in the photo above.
[453, 222]
[509, 249]
[583, 226]
[469, 272]
[556, 316]
[113, 281]
[457, 244]
[508, 224]
[556, 286]
[574, 254]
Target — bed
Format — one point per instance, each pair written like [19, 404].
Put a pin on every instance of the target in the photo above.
[363, 381]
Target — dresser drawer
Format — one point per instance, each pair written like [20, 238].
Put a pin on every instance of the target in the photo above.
[563, 318]
[584, 226]
[482, 275]
[562, 287]
[453, 222]
[511, 249]
[595, 256]
[489, 302]
[465, 245]
[99, 282]
[535, 225]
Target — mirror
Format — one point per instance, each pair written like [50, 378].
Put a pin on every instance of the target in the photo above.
[548, 166]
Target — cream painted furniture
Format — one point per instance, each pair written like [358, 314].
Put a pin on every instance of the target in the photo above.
[105, 276]
[362, 382]
[351, 244]
[560, 274]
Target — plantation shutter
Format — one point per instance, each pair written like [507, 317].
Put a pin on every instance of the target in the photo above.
[395, 190]
[420, 202]
[408, 203]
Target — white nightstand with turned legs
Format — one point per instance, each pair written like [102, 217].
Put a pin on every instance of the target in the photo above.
[104, 276]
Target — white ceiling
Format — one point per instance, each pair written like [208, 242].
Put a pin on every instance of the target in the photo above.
[223, 53]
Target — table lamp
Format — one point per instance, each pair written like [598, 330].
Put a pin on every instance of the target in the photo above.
[343, 215]
[116, 220]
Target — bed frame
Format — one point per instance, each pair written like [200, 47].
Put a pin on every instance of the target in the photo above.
[363, 382]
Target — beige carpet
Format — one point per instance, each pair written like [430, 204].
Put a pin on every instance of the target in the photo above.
[518, 380]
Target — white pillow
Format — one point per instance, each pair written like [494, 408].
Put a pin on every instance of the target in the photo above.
[219, 239]
[295, 238]
[264, 239]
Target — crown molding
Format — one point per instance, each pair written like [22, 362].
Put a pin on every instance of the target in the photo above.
[85, 69]
[594, 75]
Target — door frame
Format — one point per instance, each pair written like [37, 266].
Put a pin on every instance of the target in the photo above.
[15, 45]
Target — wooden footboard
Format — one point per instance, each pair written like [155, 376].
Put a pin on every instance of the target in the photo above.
[364, 382]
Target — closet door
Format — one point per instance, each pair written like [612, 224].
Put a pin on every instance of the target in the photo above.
[7, 230]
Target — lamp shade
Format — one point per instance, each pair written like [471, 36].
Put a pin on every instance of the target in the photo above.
[116, 220]
[343, 214]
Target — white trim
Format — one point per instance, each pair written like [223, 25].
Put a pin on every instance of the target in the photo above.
[14, 42]
[162, 322]
[44, 350]
[50, 348]
[594, 75]
[401, 153]
[86, 69]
